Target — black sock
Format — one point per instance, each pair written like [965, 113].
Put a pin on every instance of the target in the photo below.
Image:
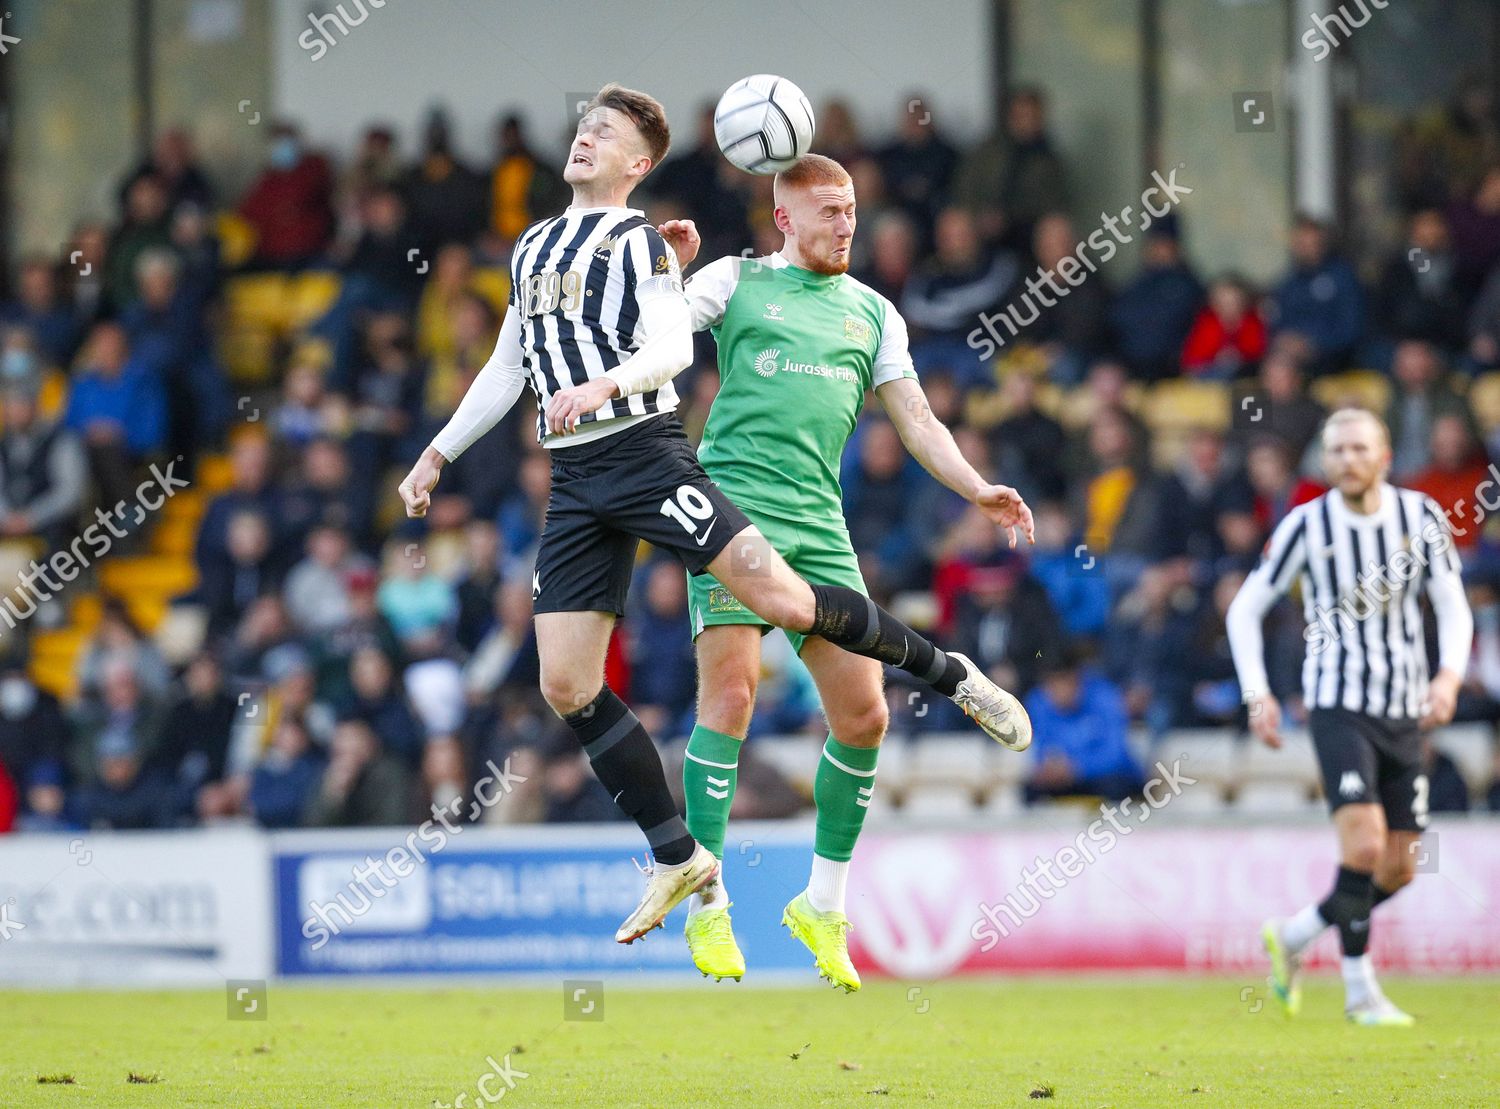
[849, 619]
[1347, 908]
[627, 763]
[1380, 895]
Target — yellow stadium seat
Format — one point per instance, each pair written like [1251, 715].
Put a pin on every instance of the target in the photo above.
[1186, 405]
[1077, 407]
[175, 537]
[1354, 389]
[249, 354]
[258, 300]
[215, 474]
[309, 296]
[1484, 400]
[188, 504]
[58, 679]
[237, 239]
[62, 644]
[85, 613]
[494, 286]
[53, 398]
[147, 576]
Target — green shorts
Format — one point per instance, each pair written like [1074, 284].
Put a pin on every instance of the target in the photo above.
[818, 550]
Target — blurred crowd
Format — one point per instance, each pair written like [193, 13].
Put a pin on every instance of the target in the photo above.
[352, 667]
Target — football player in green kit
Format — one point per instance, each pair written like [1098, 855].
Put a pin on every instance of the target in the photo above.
[800, 342]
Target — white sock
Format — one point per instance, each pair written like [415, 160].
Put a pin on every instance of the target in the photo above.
[1359, 980]
[825, 889]
[715, 895]
[1300, 930]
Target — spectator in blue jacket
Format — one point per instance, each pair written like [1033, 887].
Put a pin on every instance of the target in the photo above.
[663, 675]
[118, 406]
[1153, 314]
[1080, 723]
[1319, 298]
[40, 310]
[284, 784]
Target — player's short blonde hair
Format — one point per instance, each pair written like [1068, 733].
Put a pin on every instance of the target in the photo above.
[812, 169]
[1355, 415]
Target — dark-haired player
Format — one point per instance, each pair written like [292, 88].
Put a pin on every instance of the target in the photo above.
[599, 326]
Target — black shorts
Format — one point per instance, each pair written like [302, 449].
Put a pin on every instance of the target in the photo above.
[642, 483]
[1369, 759]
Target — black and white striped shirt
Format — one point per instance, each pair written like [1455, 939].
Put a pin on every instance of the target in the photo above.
[577, 284]
[1361, 577]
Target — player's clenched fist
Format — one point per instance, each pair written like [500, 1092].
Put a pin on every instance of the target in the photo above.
[682, 237]
[416, 487]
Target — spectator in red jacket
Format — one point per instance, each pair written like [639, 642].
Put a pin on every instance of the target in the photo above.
[1228, 338]
[1456, 471]
[291, 202]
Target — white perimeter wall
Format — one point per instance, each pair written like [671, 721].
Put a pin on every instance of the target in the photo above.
[483, 57]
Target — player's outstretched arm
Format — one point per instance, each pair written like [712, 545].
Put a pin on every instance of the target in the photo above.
[489, 398]
[1282, 561]
[931, 444]
[1455, 621]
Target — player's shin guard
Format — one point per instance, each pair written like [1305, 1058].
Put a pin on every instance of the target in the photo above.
[849, 619]
[1347, 908]
[842, 792]
[709, 773]
[629, 767]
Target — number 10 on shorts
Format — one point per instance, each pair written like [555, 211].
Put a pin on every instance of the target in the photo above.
[690, 508]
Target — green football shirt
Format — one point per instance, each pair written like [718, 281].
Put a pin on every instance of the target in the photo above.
[797, 352]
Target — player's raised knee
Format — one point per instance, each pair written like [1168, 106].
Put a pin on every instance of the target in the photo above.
[866, 726]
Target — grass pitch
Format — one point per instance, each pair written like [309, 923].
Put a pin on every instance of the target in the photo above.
[1069, 1041]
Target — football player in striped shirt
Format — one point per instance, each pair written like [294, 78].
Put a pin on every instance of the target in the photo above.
[599, 326]
[1363, 553]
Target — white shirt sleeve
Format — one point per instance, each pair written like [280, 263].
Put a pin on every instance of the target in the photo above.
[490, 397]
[1283, 560]
[709, 290]
[1445, 589]
[665, 335]
[893, 355]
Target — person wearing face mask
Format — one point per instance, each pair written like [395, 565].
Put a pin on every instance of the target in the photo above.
[32, 735]
[291, 203]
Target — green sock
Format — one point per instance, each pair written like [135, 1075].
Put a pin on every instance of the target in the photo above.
[842, 792]
[708, 778]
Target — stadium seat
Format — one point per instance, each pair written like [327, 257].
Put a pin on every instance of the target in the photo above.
[796, 757]
[258, 301]
[1077, 407]
[215, 474]
[237, 239]
[938, 800]
[1180, 406]
[1472, 747]
[1211, 755]
[1284, 798]
[147, 576]
[1484, 400]
[1357, 388]
[248, 352]
[309, 296]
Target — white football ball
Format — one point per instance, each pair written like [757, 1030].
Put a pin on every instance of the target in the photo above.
[763, 123]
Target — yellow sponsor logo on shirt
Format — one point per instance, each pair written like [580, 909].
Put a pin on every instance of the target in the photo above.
[858, 330]
[721, 600]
